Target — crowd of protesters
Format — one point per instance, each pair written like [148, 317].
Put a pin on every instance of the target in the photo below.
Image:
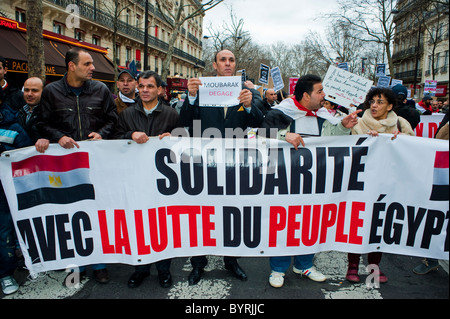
[77, 108]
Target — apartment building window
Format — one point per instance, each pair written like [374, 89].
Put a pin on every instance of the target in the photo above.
[445, 67]
[138, 21]
[128, 54]
[430, 63]
[21, 15]
[437, 62]
[96, 40]
[58, 27]
[118, 53]
[79, 34]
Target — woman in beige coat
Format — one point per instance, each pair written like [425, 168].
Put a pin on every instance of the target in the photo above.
[378, 117]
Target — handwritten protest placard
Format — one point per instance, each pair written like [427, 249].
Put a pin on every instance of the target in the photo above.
[345, 88]
[221, 91]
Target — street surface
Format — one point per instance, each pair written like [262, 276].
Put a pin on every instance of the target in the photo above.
[218, 283]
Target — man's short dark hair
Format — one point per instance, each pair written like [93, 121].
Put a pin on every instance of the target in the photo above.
[305, 84]
[3, 61]
[150, 74]
[73, 55]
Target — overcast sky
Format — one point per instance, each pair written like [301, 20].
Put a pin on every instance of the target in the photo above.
[269, 21]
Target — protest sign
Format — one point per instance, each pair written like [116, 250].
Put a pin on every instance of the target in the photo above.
[292, 84]
[430, 87]
[227, 197]
[344, 66]
[380, 69]
[278, 83]
[384, 81]
[220, 91]
[243, 73]
[345, 88]
[264, 74]
[394, 82]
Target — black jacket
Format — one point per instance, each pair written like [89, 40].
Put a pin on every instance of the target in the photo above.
[65, 114]
[213, 117]
[133, 119]
[408, 113]
[30, 126]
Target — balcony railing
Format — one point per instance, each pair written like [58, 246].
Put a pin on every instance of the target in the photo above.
[95, 15]
[408, 75]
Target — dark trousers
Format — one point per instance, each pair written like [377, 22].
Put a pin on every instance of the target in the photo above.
[161, 266]
[202, 261]
[372, 258]
[8, 259]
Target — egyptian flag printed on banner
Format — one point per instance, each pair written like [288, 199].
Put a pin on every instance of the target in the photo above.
[441, 177]
[47, 179]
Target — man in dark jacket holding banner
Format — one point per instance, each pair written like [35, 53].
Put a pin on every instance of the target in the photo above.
[246, 114]
[148, 117]
[12, 136]
[77, 108]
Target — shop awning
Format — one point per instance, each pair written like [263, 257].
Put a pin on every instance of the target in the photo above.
[14, 50]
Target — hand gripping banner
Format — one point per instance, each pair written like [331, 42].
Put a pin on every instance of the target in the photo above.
[120, 202]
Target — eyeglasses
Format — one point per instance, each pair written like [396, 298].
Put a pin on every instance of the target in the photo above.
[379, 102]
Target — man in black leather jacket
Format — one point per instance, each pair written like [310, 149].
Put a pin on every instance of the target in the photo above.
[77, 108]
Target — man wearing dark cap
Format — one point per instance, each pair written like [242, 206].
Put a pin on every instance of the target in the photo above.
[126, 83]
[424, 106]
[404, 110]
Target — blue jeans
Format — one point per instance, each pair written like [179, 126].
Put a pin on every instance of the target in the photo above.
[8, 259]
[282, 264]
[94, 267]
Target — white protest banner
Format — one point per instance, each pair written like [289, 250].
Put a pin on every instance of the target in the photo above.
[277, 79]
[220, 91]
[429, 125]
[120, 202]
[345, 88]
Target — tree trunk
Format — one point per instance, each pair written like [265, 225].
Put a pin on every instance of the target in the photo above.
[166, 64]
[35, 41]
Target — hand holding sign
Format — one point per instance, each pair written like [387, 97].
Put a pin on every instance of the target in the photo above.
[246, 98]
[193, 86]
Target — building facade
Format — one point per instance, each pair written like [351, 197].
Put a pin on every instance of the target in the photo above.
[421, 46]
[93, 21]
